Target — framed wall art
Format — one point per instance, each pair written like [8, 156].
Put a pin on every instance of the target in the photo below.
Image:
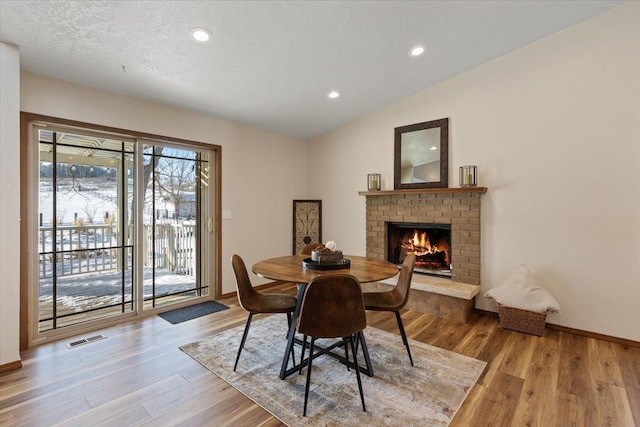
[307, 223]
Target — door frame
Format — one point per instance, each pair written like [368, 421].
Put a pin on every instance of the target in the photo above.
[27, 214]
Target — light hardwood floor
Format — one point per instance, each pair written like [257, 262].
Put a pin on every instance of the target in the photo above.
[138, 376]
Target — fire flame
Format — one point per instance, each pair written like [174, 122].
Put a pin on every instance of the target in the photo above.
[419, 245]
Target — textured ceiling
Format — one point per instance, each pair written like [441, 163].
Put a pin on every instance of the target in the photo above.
[270, 64]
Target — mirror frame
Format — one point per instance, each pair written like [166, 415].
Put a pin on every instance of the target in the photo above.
[443, 124]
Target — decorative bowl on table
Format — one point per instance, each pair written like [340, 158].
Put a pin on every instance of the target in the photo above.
[326, 257]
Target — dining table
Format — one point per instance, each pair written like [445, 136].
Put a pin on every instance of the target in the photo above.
[298, 269]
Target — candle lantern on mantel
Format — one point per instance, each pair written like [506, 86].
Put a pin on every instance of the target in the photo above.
[468, 176]
[373, 181]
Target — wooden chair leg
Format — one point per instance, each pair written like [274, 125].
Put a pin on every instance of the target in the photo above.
[244, 338]
[404, 336]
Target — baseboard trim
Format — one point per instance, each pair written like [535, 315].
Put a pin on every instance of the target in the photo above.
[11, 366]
[228, 295]
[579, 332]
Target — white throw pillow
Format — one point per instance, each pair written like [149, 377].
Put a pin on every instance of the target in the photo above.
[521, 290]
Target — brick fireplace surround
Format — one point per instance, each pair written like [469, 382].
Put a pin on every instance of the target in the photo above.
[460, 207]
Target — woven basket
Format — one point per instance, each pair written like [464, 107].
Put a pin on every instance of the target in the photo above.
[519, 320]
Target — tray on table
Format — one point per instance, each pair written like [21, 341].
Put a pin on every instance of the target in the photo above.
[309, 263]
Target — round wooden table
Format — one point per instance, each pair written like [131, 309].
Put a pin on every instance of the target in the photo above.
[290, 269]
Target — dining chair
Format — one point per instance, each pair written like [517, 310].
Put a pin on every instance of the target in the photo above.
[332, 307]
[256, 302]
[394, 299]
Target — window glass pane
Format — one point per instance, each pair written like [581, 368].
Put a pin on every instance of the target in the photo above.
[85, 236]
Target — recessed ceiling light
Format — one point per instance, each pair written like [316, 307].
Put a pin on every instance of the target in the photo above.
[416, 51]
[434, 148]
[200, 35]
[333, 94]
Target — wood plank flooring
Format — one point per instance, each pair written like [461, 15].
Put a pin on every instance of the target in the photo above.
[138, 376]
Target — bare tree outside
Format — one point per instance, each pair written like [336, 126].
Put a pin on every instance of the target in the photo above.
[173, 178]
[149, 167]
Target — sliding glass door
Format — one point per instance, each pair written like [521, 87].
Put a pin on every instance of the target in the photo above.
[124, 225]
[176, 216]
[85, 227]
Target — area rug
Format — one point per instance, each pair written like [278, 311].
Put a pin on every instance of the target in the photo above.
[183, 314]
[428, 394]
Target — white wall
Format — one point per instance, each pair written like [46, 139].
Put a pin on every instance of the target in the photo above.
[9, 199]
[555, 131]
[261, 171]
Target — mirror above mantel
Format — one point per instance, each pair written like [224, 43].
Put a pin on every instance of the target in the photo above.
[421, 155]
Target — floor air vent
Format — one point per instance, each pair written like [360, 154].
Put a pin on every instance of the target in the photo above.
[83, 341]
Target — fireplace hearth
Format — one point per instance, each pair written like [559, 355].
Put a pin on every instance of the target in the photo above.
[431, 243]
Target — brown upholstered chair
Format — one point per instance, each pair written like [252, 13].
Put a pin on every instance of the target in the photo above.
[308, 248]
[256, 302]
[395, 299]
[332, 307]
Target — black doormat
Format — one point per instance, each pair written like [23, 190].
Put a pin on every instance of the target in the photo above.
[183, 314]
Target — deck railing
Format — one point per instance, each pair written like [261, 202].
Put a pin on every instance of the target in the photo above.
[174, 246]
[93, 248]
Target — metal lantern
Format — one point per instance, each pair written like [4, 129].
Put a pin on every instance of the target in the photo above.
[468, 176]
[373, 181]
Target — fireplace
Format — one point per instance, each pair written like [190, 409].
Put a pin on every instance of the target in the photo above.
[458, 208]
[431, 243]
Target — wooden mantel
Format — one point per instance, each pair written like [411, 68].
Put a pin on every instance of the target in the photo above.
[424, 191]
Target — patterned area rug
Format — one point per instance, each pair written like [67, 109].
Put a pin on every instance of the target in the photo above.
[428, 394]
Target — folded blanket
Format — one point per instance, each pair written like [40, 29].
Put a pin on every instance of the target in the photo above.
[522, 290]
